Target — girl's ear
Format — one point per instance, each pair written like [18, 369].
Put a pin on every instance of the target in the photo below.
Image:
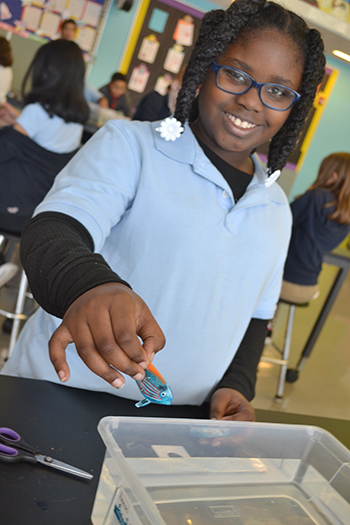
[198, 90]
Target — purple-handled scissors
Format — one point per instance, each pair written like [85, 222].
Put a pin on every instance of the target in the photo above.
[13, 448]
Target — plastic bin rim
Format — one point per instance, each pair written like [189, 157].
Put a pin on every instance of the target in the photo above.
[312, 430]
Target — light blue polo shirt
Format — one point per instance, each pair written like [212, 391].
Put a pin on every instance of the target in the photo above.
[51, 133]
[165, 219]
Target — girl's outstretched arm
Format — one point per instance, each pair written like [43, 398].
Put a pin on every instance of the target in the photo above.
[101, 314]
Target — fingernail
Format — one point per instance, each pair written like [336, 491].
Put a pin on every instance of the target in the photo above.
[144, 364]
[62, 376]
[139, 376]
[117, 383]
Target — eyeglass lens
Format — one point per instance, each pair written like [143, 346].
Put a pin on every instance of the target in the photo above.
[236, 82]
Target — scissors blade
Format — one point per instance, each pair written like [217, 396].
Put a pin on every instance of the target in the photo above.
[59, 465]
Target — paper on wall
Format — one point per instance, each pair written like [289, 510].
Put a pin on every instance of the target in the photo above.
[86, 37]
[174, 58]
[57, 5]
[139, 78]
[31, 17]
[162, 84]
[75, 8]
[5, 13]
[149, 49]
[184, 31]
[49, 24]
[92, 13]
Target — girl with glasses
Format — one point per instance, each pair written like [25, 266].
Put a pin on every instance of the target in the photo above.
[163, 228]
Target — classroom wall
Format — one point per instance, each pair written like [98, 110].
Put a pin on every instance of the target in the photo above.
[23, 50]
[333, 131]
[114, 38]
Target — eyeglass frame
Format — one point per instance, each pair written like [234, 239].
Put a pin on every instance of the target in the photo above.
[254, 83]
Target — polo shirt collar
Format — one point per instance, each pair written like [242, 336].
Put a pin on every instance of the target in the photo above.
[182, 149]
[186, 150]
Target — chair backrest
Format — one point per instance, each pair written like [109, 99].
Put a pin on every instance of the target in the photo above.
[27, 172]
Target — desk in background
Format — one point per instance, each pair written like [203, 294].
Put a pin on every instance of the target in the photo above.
[98, 117]
[339, 257]
[62, 422]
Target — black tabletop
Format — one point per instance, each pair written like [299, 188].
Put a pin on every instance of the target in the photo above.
[62, 422]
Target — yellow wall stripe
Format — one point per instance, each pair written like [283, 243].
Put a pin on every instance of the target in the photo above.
[133, 35]
[320, 107]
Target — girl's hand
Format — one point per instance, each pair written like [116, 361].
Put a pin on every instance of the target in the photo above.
[229, 404]
[104, 324]
[8, 113]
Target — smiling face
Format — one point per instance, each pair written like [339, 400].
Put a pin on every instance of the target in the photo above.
[233, 125]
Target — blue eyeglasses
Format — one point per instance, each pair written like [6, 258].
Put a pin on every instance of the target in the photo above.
[237, 82]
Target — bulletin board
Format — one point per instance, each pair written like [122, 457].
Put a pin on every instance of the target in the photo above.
[41, 19]
[161, 45]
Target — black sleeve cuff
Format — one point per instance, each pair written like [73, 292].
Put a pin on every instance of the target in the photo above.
[241, 374]
[57, 255]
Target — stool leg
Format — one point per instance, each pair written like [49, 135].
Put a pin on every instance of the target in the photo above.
[18, 311]
[286, 350]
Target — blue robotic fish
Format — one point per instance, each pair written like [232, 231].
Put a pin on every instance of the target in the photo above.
[155, 389]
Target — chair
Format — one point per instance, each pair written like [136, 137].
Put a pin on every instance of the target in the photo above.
[8, 244]
[283, 362]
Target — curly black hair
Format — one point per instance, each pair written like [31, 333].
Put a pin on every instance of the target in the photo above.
[221, 28]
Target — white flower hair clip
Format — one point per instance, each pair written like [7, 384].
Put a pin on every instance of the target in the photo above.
[170, 129]
[272, 178]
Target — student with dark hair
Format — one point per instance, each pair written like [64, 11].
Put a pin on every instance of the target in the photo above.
[183, 211]
[6, 74]
[115, 94]
[47, 132]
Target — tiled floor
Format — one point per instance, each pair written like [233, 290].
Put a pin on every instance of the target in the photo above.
[323, 387]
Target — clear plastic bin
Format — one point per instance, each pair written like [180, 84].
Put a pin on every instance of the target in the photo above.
[201, 472]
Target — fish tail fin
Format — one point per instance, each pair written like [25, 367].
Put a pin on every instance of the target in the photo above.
[142, 403]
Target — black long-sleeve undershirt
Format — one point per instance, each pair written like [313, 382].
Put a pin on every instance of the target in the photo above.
[241, 374]
[57, 255]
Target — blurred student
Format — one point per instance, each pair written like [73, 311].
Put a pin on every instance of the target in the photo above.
[155, 106]
[321, 221]
[68, 29]
[68, 32]
[115, 94]
[6, 60]
[45, 135]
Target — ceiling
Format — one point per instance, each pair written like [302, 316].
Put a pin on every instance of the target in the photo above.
[335, 33]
